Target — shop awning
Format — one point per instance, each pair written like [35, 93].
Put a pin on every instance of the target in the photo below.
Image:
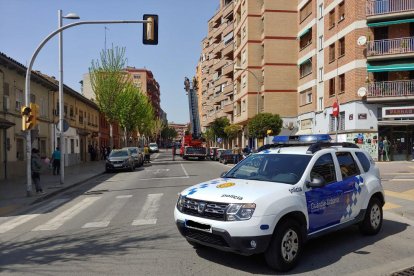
[387, 23]
[303, 32]
[304, 61]
[304, 131]
[391, 67]
[5, 124]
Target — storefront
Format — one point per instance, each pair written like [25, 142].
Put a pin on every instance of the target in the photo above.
[397, 125]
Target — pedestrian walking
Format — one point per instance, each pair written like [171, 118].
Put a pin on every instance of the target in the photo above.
[387, 146]
[56, 161]
[381, 149]
[236, 154]
[147, 154]
[36, 166]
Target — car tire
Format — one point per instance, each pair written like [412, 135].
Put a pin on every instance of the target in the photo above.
[225, 162]
[372, 222]
[132, 168]
[286, 246]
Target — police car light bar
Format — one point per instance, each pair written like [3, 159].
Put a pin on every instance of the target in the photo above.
[302, 138]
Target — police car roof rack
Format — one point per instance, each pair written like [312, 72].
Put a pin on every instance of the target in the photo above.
[321, 145]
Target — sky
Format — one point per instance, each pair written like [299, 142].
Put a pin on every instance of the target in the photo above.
[182, 26]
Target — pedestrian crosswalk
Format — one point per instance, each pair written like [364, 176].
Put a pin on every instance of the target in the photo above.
[51, 221]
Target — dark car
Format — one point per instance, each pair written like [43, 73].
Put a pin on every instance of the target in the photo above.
[120, 160]
[138, 156]
[229, 157]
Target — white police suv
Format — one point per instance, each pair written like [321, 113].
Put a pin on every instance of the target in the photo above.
[273, 201]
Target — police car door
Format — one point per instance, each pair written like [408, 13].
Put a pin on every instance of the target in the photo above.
[325, 203]
[351, 183]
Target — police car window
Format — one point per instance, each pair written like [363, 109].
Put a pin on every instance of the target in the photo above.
[347, 164]
[366, 164]
[324, 168]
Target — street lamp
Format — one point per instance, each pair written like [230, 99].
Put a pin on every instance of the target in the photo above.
[259, 83]
[61, 131]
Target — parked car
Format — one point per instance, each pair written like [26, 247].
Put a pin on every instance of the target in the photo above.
[137, 155]
[229, 157]
[120, 160]
[212, 152]
[219, 153]
[153, 147]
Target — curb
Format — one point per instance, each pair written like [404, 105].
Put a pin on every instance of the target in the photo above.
[58, 191]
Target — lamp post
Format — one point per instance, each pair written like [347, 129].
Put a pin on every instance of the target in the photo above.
[259, 84]
[146, 38]
[61, 102]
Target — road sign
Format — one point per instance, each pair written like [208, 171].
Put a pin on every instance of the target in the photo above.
[335, 109]
[65, 126]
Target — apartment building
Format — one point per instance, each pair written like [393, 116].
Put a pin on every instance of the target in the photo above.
[249, 63]
[390, 56]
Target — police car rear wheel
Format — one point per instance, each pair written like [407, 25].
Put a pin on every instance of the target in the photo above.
[372, 222]
[284, 250]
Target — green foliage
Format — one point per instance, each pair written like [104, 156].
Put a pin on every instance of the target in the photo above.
[262, 122]
[232, 130]
[168, 133]
[218, 126]
[208, 135]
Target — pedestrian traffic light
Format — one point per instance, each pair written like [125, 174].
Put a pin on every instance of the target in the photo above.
[150, 29]
[29, 116]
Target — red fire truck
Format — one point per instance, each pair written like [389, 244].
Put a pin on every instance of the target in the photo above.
[192, 148]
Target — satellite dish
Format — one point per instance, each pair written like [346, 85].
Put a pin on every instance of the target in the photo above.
[362, 40]
[362, 92]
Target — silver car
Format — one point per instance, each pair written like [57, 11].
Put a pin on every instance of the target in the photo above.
[137, 155]
[119, 160]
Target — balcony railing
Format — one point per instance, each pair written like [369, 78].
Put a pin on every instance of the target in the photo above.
[391, 88]
[389, 6]
[390, 46]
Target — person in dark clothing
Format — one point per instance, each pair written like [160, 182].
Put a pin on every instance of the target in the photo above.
[36, 166]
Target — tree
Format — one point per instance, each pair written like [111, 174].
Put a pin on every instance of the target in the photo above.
[232, 130]
[108, 81]
[218, 126]
[168, 133]
[208, 135]
[262, 122]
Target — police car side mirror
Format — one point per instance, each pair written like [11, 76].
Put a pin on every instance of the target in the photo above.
[317, 182]
[223, 174]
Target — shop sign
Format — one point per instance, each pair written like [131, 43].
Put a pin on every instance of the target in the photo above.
[306, 124]
[398, 112]
[362, 116]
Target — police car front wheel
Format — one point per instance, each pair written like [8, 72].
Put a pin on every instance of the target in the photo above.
[284, 250]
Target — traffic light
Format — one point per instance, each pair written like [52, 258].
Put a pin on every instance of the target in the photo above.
[29, 116]
[25, 111]
[150, 29]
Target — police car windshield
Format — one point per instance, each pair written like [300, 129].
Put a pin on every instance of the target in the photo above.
[282, 168]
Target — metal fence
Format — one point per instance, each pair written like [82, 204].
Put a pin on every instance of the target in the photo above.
[391, 88]
[390, 46]
[388, 6]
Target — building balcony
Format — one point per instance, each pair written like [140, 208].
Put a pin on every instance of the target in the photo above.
[228, 50]
[218, 48]
[228, 28]
[228, 89]
[390, 48]
[389, 9]
[228, 69]
[228, 108]
[228, 9]
[391, 90]
[217, 66]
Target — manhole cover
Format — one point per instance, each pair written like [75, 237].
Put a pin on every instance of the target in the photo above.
[405, 272]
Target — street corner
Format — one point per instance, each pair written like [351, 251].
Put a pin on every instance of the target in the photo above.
[9, 209]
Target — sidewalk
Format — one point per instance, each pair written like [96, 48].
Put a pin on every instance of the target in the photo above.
[13, 192]
[396, 167]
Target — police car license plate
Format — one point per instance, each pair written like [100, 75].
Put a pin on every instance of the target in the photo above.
[198, 226]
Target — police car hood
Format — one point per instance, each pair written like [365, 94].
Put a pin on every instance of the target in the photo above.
[230, 190]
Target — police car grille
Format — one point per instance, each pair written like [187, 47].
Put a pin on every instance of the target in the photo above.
[212, 210]
[206, 237]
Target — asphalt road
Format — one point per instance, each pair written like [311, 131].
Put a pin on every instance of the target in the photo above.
[122, 224]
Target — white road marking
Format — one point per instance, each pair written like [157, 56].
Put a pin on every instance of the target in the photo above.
[19, 220]
[164, 178]
[148, 212]
[185, 172]
[59, 220]
[105, 218]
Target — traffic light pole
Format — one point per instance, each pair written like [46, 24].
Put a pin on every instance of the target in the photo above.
[27, 85]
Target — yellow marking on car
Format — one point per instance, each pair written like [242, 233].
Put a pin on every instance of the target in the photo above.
[225, 185]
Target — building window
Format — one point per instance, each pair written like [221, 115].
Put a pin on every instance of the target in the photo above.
[306, 68]
[80, 117]
[243, 106]
[19, 149]
[341, 47]
[321, 43]
[244, 81]
[320, 104]
[332, 123]
[244, 32]
[306, 97]
[19, 99]
[341, 80]
[305, 11]
[65, 110]
[321, 11]
[341, 120]
[244, 56]
[305, 40]
[72, 146]
[341, 11]
[321, 74]
[332, 52]
[332, 87]
[71, 111]
[43, 108]
[332, 19]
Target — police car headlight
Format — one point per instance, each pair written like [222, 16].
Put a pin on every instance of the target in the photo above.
[180, 203]
[237, 212]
